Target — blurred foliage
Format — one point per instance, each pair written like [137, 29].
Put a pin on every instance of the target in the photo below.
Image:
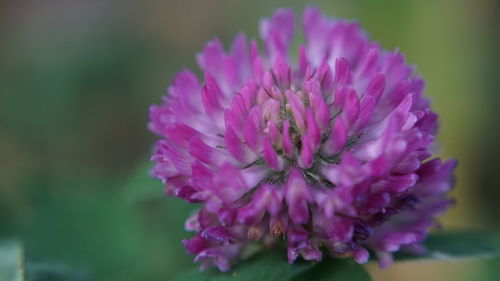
[76, 80]
[11, 261]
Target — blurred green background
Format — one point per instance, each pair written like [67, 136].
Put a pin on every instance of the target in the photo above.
[76, 81]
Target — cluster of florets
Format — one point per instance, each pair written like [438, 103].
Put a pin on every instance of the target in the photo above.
[329, 151]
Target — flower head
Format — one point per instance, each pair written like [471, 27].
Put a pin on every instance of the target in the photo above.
[326, 151]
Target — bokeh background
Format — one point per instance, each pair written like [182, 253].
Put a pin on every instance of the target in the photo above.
[76, 81]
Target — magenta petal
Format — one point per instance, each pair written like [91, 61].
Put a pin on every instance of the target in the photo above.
[180, 134]
[277, 32]
[313, 132]
[274, 133]
[217, 234]
[318, 32]
[201, 175]
[236, 115]
[271, 157]
[267, 198]
[179, 158]
[297, 195]
[366, 111]
[186, 88]
[361, 256]
[303, 62]
[384, 259]
[337, 139]
[376, 87]
[306, 157]
[396, 183]
[320, 109]
[236, 147]
[282, 72]
[271, 110]
[340, 96]
[212, 59]
[351, 110]
[287, 141]
[194, 245]
[370, 63]
[311, 253]
[342, 72]
[298, 109]
[204, 153]
[253, 129]
[240, 57]
[256, 62]
[324, 76]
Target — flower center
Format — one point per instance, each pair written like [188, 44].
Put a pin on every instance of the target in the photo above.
[303, 140]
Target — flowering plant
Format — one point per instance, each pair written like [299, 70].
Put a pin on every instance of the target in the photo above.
[327, 150]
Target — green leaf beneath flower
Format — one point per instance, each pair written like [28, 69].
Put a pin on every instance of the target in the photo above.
[458, 245]
[335, 270]
[273, 266]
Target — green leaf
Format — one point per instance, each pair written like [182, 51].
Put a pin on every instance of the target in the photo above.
[273, 266]
[11, 261]
[335, 270]
[269, 266]
[458, 245]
